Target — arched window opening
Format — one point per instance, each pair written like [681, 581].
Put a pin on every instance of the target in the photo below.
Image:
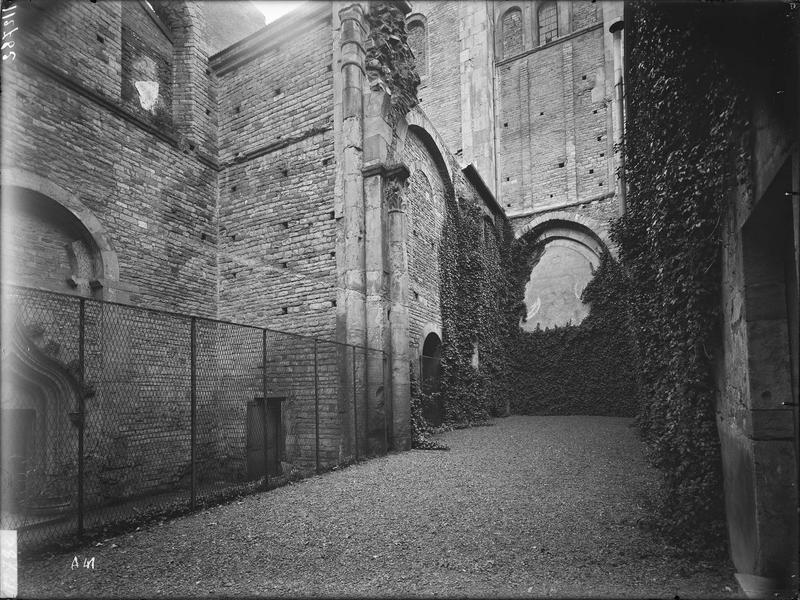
[553, 294]
[512, 32]
[418, 42]
[584, 14]
[548, 22]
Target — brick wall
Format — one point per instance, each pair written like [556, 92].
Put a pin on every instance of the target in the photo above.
[277, 228]
[440, 91]
[424, 198]
[553, 126]
[44, 240]
[81, 39]
[584, 14]
[155, 201]
[146, 65]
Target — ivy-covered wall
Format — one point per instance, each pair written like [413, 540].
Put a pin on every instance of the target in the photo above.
[682, 151]
[473, 291]
[585, 369]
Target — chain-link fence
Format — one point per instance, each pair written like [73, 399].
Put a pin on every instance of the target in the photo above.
[112, 414]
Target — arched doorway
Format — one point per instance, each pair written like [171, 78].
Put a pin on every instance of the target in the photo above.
[40, 403]
[430, 379]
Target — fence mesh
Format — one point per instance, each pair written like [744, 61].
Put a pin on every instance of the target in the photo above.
[112, 414]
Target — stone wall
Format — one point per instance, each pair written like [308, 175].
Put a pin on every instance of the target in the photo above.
[86, 160]
[757, 367]
[277, 227]
[553, 124]
[439, 92]
[424, 197]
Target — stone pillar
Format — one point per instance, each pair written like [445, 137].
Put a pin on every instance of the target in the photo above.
[377, 140]
[352, 69]
[614, 44]
[398, 324]
[378, 108]
[477, 89]
[349, 81]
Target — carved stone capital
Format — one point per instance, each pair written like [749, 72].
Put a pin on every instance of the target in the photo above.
[394, 182]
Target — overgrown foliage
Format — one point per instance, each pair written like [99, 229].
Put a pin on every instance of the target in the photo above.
[421, 430]
[473, 283]
[389, 57]
[681, 155]
[585, 369]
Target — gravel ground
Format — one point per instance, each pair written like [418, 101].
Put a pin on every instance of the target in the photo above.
[531, 506]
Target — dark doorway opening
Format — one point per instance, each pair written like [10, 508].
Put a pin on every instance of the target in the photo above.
[264, 438]
[430, 375]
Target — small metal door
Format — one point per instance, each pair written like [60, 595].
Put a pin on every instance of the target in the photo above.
[256, 459]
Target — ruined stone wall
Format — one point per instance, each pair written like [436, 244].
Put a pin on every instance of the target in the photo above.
[756, 368]
[277, 263]
[424, 197]
[65, 121]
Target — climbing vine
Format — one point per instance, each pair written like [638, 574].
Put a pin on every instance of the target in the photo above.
[583, 369]
[681, 152]
[473, 283]
[389, 57]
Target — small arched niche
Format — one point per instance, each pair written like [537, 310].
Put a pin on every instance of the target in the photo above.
[46, 246]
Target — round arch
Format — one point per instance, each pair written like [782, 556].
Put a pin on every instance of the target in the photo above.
[571, 248]
[562, 225]
[428, 329]
[108, 264]
[418, 123]
[500, 33]
[430, 376]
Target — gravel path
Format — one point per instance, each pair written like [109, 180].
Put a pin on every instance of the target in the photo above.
[531, 506]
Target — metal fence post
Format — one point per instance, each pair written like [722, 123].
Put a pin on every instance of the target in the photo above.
[193, 399]
[316, 407]
[386, 398]
[365, 418]
[355, 404]
[264, 413]
[81, 408]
